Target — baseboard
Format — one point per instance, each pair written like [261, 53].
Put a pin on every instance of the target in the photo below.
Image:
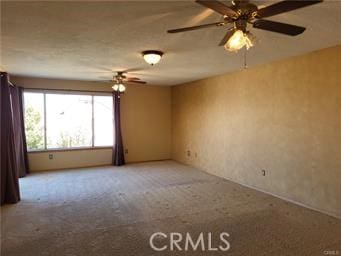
[94, 166]
[269, 193]
[68, 168]
[148, 161]
[286, 199]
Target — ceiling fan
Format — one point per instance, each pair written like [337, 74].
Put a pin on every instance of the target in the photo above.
[243, 12]
[120, 79]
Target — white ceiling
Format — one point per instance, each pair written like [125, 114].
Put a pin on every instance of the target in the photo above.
[86, 40]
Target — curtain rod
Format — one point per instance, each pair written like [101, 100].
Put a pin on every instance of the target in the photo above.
[68, 90]
[9, 82]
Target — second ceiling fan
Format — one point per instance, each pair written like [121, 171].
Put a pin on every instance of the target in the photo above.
[243, 12]
[120, 79]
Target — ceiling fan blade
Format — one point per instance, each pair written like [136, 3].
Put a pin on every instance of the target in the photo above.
[218, 7]
[284, 6]
[135, 82]
[133, 78]
[104, 81]
[216, 24]
[278, 27]
[226, 37]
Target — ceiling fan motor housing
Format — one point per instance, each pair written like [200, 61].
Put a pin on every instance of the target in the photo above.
[241, 24]
[244, 9]
[246, 13]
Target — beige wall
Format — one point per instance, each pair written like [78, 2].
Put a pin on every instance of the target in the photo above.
[283, 117]
[146, 125]
[69, 159]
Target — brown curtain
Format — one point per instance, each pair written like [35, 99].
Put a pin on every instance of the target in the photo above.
[19, 130]
[9, 169]
[118, 151]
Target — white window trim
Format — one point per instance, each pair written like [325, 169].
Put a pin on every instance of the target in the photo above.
[72, 92]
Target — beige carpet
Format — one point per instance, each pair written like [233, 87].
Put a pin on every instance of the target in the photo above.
[114, 211]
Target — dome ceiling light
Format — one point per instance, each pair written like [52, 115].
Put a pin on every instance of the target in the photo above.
[152, 57]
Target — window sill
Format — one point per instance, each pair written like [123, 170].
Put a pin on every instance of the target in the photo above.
[67, 149]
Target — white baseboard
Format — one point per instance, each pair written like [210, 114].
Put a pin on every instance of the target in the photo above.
[286, 199]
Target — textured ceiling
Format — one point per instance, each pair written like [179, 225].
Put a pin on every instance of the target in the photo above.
[86, 40]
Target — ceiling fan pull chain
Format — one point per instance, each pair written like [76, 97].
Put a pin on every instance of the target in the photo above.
[245, 63]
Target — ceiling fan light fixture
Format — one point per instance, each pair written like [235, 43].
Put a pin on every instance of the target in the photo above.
[152, 57]
[119, 87]
[238, 40]
[115, 87]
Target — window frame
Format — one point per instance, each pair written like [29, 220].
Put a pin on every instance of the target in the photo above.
[71, 92]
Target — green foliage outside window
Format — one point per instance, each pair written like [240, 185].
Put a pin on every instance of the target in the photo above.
[34, 129]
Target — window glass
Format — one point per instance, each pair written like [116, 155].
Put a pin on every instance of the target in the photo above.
[103, 121]
[72, 120]
[34, 120]
[68, 121]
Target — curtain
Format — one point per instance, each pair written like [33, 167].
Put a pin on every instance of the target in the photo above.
[118, 152]
[22, 124]
[9, 169]
[19, 130]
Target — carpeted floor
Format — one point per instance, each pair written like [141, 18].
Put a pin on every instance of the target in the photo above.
[114, 211]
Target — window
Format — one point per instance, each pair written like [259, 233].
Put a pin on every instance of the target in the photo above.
[62, 120]
[34, 120]
[103, 121]
[68, 121]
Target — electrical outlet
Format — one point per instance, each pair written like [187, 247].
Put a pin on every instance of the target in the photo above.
[263, 172]
[50, 156]
[126, 151]
[188, 153]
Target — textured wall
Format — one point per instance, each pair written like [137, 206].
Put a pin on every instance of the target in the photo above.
[146, 125]
[283, 117]
[69, 159]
